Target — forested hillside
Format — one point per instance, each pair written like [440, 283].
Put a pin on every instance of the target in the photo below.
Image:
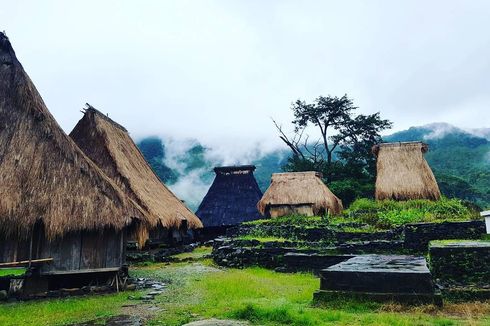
[460, 160]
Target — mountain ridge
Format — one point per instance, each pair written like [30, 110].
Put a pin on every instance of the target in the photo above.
[187, 168]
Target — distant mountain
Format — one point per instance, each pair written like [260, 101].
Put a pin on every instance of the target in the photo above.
[460, 160]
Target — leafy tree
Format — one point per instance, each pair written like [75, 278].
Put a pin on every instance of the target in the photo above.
[343, 151]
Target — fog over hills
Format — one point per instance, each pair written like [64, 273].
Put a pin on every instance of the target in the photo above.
[460, 159]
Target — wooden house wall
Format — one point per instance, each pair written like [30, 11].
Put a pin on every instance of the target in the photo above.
[75, 251]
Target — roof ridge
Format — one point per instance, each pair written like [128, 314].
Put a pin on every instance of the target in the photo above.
[91, 109]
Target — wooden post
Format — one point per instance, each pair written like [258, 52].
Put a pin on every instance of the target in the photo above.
[30, 246]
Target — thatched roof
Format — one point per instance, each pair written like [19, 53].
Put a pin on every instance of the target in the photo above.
[403, 173]
[232, 198]
[44, 176]
[109, 145]
[300, 188]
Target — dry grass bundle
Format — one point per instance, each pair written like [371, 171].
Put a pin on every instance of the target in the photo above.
[109, 145]
[403, 173]
[299, 188]
[43, 174]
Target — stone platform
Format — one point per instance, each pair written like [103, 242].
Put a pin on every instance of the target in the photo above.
[398, 278]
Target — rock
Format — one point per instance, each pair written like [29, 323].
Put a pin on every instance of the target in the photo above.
[3, 295]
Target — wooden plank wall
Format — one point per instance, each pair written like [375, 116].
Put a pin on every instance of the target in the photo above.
[75, 251]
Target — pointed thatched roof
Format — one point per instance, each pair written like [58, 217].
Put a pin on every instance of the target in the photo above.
[403, 173]
[232, 198]
[300, 188]
[44, 176]
[109, 145]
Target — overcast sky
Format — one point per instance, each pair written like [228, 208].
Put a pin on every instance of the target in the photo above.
[218, 70]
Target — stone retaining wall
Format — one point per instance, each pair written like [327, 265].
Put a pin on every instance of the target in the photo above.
[460, 262]
[418, 236]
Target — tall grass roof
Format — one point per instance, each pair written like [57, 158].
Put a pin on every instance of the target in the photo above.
[109, 145]
[403, 173]
[300, 188]
[232, 198]
[44, 176]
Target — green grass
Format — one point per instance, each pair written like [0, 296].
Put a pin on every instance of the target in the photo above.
[262, 239]
[200, 290]
[264, 297]
[12, 271]
[62, 311]
[197, 253]
[290, 220]
[387, 214]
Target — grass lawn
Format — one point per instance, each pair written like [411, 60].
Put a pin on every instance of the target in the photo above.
[199, 289]
[62, 311]
[12, 271]
[264, 297]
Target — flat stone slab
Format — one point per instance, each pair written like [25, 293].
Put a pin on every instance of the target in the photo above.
[379, 274]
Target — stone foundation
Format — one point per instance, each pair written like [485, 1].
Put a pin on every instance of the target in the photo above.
[381, 278]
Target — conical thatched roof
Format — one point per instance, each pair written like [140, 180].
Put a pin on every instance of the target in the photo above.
[109, 145]
[403, 173]
[300, 188]
[44, 176]
[232, 198]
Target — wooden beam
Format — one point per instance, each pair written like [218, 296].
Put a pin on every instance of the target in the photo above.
[26, 262]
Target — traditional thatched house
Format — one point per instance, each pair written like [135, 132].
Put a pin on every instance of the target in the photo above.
[56, 205]
[231, 199]
[108, 144]
[302, 193]
[403, 173]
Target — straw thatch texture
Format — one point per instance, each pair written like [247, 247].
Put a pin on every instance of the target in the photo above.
[403, 173]
[44, 176]
[232, 198]
[300, 189]
[109, 145]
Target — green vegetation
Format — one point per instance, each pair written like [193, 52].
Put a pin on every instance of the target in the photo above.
[12, 271]
[290, 220]
[264, 297]
[262, 239]
[387, 214]
[201, 290]
[368, 215]
[456, 241]
[62, 311]
[196, 254]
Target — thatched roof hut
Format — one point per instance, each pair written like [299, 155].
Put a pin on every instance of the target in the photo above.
[232, 198]
[55, 203]
[301, 193]
[109, 145]
[403, 173]
[44, 176]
